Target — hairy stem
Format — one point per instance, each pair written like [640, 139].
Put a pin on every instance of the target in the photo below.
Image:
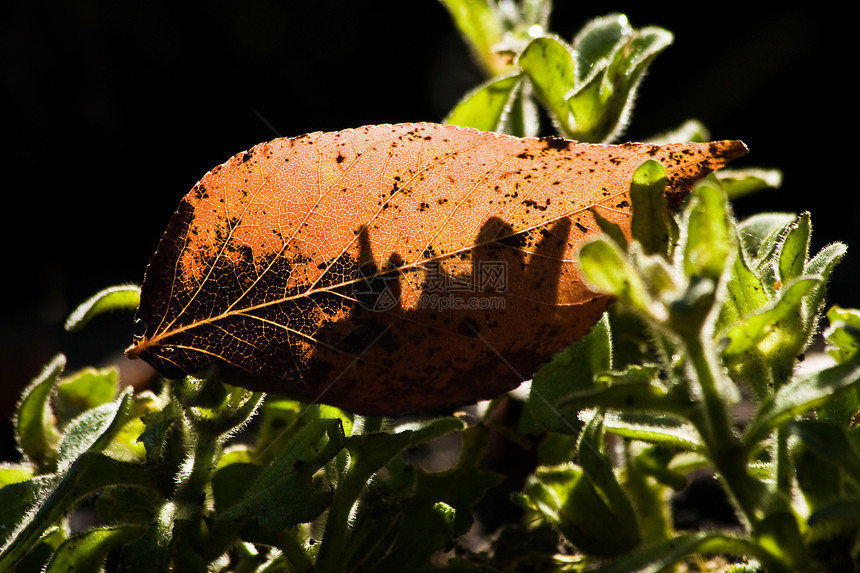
[716, 428]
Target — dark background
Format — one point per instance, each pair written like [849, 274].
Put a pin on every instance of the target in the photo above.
[115, 109]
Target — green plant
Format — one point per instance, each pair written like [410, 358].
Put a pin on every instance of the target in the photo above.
[710, 312]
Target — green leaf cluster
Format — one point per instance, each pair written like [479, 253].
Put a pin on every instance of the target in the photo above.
[172, 491]
[586, 86]
[726, 309]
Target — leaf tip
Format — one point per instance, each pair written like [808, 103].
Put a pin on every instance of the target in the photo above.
[111, 298]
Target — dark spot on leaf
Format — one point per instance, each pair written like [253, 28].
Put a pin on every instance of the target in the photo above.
[468, 327]
[534, 205]
[557, 143]
[200, 192]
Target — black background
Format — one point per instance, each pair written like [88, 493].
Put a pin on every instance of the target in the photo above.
[115, 109]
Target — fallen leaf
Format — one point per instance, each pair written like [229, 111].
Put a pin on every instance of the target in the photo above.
[393, 268]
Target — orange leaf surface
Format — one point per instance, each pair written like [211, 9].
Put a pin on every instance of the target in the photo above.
[392, 268]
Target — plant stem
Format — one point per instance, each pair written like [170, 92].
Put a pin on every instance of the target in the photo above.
[773, 526]
[335, 537]
[193, 488]
[191, 494]
[293, 552]
[725, 448]
[783, 462]
[648, 498]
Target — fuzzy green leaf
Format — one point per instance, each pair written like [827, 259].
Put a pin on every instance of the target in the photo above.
[830, 442]
[94, 430]
[636, 389]
[549, 65]
[598, 470]
[86, 552]
[14, 473]
[795, 249]
[649, 224]
[214, 407]
[596, 42]
[122, 297]
[600, 104]
[565, 497]
[86, 469]
[17, 499]
[777, 318]
[654, 461]
[822, 265]
[737, 183]
[85, 389]
[487, 106]
[573, 369]
[46, 546]
[843, 334]
[128, 505]
[800, 395]
[844, 510]
[91, 472]
[662, 556]
[280, 494]
[576, 503]
[710, 240]
[843, 337]
[151, 552]
[420, 536]
[278, 421]
[286, 502]
[417, 513]
[35, 431]
[480, 27]
[665, 429]
[368, 453]
[158, 427]
[760, 230]
[608, 270]
[745, 295]
[827, 258]
[522, 118]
